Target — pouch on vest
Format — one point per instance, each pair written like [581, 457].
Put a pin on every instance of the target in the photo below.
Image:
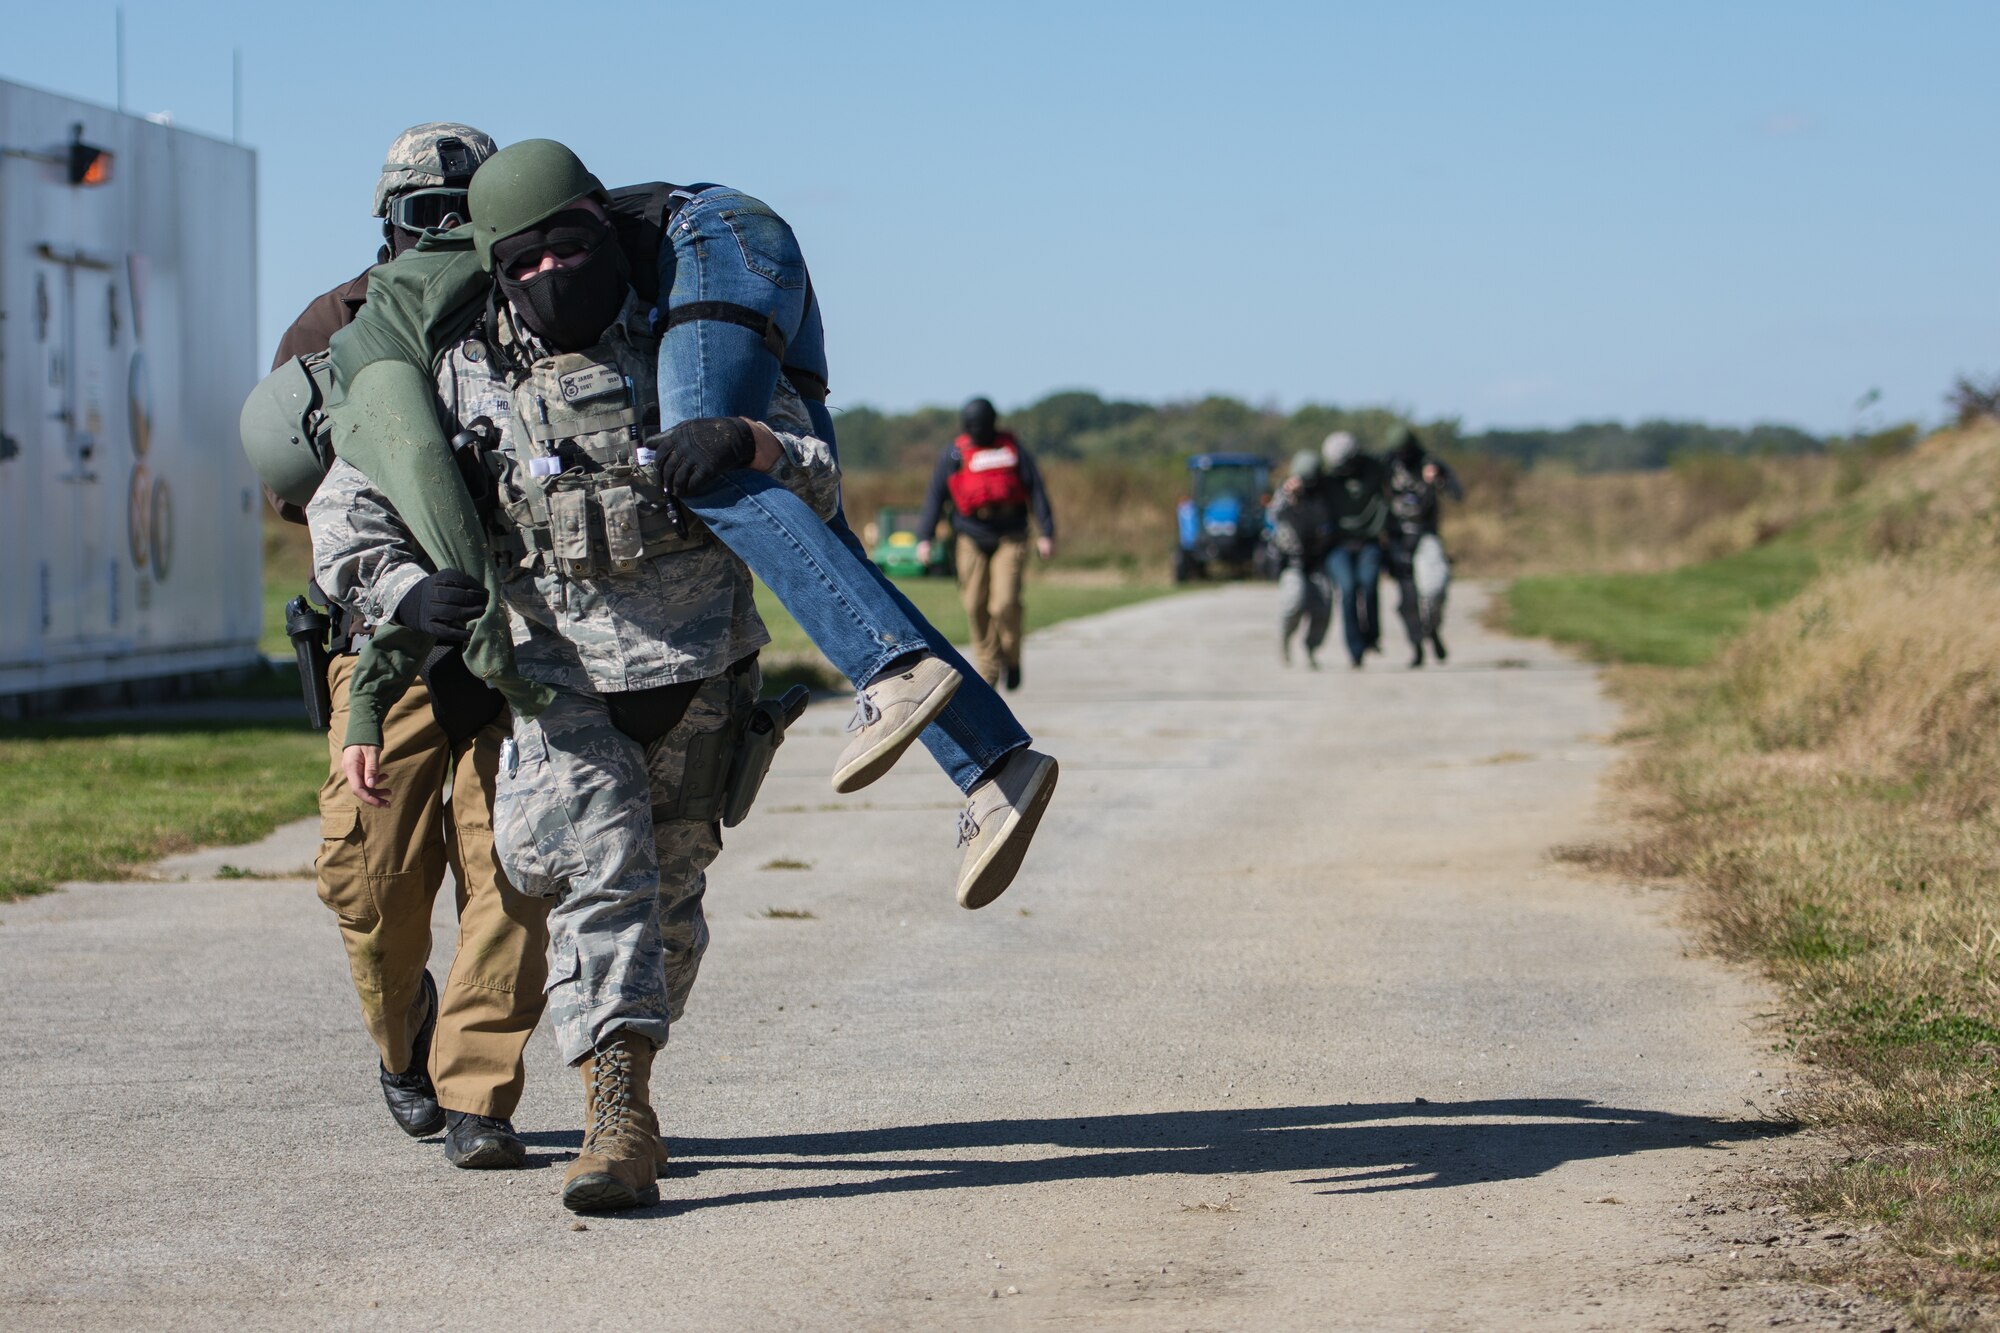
[569, 529]
[624, 543]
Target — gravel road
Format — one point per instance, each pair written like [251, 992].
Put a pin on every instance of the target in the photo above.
[1290, 1022]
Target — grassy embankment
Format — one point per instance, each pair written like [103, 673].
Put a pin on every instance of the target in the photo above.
[97, 800]
[1817, 755]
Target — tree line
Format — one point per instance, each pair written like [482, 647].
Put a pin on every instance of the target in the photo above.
[1079, 425]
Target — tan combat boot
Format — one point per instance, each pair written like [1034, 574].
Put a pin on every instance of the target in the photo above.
[619, 1163]
[589, 1067]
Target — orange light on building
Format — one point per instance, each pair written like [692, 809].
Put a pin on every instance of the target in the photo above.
[88, 164]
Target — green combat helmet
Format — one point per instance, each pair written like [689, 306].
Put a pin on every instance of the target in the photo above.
[521, 185]
[283, 428]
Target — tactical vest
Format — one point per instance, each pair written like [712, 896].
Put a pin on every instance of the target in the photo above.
[989, 479]
[581, 491]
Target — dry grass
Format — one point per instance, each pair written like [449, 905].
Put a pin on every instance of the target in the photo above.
[1828, 787]
[1552, 521]
[1112, 516]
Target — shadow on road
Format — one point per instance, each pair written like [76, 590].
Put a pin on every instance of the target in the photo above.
[1350, 1149]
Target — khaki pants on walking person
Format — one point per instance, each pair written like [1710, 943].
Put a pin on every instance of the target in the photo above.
[990, 587]
[380, 869]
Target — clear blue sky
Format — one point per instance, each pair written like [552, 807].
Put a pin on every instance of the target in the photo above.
[1521, 213]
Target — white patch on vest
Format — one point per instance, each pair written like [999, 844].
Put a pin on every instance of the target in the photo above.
[580, 385]
[986, 460]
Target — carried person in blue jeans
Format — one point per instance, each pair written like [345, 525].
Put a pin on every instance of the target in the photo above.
[1354, 487]
[736, 309]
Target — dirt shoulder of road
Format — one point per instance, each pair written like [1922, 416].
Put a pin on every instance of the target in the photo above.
[1811, 756]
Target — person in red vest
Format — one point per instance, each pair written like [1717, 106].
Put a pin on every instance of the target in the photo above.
[992, 483]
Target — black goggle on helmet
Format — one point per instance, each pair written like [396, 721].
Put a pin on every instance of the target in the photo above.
[428, 210]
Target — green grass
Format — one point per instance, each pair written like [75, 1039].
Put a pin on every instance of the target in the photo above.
[96, 800]
[287, 566]
[1676, 618]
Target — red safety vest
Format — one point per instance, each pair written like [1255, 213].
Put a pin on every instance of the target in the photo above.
[988, 478]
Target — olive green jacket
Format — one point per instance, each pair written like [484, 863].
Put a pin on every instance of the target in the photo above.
[386, 421]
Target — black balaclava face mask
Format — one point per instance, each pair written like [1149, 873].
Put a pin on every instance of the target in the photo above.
[568, 308]
[394, 242]
[978, 419]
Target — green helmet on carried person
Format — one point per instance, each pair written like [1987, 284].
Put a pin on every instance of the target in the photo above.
[523, 184]
[282, 426]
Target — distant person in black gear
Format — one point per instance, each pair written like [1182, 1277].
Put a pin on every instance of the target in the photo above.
[1411, 545]
[1355, 488]
[992, 483]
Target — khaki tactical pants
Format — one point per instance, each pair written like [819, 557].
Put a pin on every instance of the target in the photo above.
[990, 586]
[380, 869]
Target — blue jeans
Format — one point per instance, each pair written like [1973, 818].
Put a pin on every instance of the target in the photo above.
[1356, 569]
[725, 246]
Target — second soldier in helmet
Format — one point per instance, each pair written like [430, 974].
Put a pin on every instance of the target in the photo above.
[451, 1058]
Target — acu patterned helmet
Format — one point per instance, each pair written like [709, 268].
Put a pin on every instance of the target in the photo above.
[418, 160]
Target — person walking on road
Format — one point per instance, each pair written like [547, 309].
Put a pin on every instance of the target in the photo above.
[450, 1061]
[643, 636]
[1354, 486]
[993, 483]
[1411, 545]
[1299, 525]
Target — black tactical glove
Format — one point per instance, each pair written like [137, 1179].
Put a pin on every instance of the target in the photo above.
[443, 606]
[695, 454]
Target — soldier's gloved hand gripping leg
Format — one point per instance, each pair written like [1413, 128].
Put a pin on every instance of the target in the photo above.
[725, 249]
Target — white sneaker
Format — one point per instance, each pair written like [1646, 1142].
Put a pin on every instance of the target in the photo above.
[888, 714]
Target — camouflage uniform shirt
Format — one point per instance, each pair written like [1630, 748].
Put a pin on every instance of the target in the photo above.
[685, 615]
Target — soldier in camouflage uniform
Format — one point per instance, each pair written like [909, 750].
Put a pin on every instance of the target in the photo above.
[1299, 531]
[644, 632]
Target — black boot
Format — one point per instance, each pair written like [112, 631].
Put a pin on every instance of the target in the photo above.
[1417, 654]
[1014, 676]
[482, 1143]
[411, 1096]
[1437, 647]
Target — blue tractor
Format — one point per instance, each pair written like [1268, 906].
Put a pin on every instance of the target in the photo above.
[1222, 527]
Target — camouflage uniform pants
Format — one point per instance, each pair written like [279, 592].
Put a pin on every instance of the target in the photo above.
[591, 818]
[1304, 596]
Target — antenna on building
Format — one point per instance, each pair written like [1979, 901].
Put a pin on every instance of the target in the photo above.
[121, 59]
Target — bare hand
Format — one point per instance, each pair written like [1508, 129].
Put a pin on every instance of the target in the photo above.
[923, 553]
[1046, 546]
[769, 451]
[1293, 485]
[361, 765]
[1430, 472]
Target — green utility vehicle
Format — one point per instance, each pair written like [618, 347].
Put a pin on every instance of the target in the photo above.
[892, 545]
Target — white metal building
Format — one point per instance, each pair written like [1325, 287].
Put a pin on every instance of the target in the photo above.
[129, 518]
